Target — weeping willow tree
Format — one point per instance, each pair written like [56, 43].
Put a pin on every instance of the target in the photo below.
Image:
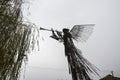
[17, 39]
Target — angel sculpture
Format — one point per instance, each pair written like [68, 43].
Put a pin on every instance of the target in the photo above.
[79, 67]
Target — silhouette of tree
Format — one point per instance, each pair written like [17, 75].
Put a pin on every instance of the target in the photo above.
[16, 39]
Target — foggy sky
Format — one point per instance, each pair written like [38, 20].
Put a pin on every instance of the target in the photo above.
[102, 48]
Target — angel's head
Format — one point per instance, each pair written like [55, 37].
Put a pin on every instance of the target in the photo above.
[65, 30]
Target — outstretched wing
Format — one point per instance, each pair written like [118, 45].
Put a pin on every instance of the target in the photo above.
[81, 32]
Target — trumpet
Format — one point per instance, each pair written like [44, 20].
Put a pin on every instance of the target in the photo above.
[50, 30]
[45, 29]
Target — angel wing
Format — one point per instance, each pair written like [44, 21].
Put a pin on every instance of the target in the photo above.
[81, 32]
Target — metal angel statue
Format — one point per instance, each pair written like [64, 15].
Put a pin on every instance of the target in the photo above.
[79, 67]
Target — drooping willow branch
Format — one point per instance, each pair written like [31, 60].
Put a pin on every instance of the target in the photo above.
[17, 39]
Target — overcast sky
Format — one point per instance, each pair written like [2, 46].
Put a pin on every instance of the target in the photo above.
[102, 48]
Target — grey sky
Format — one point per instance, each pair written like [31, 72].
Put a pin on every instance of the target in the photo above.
[102, 48]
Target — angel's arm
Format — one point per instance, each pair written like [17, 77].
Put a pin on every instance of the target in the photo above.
[57, 35]
[54, 35]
